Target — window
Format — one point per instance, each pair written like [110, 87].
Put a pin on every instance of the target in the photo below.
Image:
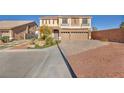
[64, 21]
[85, 21]
[49, 21]
[75, 21]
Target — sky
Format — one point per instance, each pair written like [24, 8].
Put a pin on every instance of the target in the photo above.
[98, 21]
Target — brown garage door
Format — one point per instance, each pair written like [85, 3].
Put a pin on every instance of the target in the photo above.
[74, 36]
[65, 36]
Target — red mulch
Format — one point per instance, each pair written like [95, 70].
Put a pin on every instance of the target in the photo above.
[105, 61]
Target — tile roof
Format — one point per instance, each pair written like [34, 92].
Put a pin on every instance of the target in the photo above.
[12, 24]
[63, 16]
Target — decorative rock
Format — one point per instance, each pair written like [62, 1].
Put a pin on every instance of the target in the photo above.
[41, 43]
[31, 46]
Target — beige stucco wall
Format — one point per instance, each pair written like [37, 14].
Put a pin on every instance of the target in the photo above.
[48, 24]
[5, 33]
[66, 26]
[20, 31]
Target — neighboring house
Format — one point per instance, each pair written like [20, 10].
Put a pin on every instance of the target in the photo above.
[17, 29]
[68, 27]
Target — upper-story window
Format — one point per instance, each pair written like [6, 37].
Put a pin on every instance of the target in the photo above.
[84, 21]
[64, 21]
[75, 21]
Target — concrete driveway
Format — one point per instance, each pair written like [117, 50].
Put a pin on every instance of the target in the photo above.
[46, 63]
[42, 63]
[75, 47]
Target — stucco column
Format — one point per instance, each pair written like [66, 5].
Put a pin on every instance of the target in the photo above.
[89, 33]
[26, 32]
[60, 22]
[89, 22]
[10, 35]
[59, 33]
[41, 22]
[24, 36]
[69, 21]
[80, 22]
[27, 29]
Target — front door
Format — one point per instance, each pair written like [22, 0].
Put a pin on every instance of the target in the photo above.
[56, 34]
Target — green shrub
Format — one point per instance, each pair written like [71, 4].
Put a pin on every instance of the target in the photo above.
[45, 32]
[50, 41]
[5, 39]
[37, 46]
[0, 37]
[44, 37]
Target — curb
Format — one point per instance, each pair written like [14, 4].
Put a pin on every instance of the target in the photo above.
[67, 63]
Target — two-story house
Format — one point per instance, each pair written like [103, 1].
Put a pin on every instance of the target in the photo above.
[68, 27]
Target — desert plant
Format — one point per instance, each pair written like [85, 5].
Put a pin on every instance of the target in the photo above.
[94, 29]
[37, 46]
[122, 25]
[0, 37]
[45, 32]
[50, 41]
[5, 39]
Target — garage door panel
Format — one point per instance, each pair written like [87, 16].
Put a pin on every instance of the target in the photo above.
[79, 36]
[74, 36]
[65, 36]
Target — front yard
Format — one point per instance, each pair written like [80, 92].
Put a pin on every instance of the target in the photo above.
[43, 40]
[13, 44]
[103, 62]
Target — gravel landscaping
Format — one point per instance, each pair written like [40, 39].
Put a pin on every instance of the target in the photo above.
[106, 61]
[75, 47]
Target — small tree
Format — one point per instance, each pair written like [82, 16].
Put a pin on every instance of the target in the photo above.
[45, 32]
[94, 28]
[122, 25]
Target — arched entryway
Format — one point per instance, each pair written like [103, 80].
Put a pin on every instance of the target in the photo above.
[56, 34]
